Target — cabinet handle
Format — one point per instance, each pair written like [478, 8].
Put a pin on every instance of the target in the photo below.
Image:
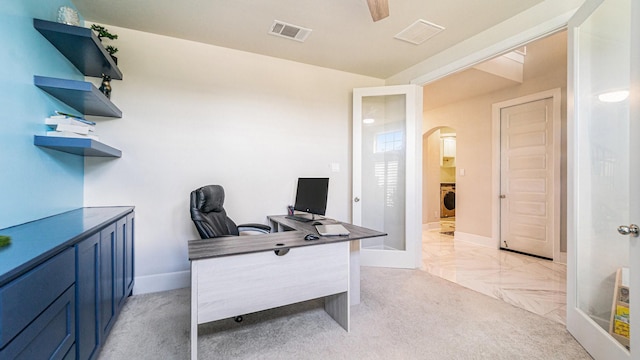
[281, 252]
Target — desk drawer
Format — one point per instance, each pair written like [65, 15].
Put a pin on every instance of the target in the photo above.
[235, 285]
[23, 299]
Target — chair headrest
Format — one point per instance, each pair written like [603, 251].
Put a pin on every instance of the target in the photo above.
[210, 198]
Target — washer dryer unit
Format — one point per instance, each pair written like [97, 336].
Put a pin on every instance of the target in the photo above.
[447, 200]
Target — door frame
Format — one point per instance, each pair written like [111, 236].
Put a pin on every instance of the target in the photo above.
[411, 257]
[634, 114]
[442, 67]
[555, 95]
[539, 31]
[581, 327]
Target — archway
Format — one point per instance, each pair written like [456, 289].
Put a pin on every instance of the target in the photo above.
[439, 178]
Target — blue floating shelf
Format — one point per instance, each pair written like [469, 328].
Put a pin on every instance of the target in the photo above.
[77, 146]
[80, 95]
[81, 46]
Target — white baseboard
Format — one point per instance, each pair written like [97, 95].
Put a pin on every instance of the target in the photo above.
[162, 282]
[476, 239]
[431, 226]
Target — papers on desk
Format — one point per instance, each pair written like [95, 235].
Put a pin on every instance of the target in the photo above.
[332, 230]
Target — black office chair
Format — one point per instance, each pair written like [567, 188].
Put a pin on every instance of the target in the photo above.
[211, 219]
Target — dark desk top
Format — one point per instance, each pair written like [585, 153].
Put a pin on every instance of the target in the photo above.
[236, 245]
[38, 240]
[356, 232]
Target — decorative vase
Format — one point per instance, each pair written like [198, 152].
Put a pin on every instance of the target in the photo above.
[69, 16]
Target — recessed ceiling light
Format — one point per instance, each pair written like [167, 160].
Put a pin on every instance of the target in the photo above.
[614, 96]
[368, 121]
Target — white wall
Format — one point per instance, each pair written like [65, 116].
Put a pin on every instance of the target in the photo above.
[430, 181]
[545, 68]
[197, 114]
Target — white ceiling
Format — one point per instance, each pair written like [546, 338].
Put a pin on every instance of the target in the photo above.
[544, 57]
[461, 86]
[344, 37]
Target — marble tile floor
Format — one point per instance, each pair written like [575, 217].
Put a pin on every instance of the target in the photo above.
[530, 283]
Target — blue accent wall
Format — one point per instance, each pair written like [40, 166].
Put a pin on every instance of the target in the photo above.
[34, 182]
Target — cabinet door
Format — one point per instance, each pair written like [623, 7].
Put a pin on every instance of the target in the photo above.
[50, 336]
[129, 272]
[88, 296]
[120, 262]
[37, 311]
[107, 276]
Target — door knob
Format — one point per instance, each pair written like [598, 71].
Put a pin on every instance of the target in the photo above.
[632, 230]
[356, 199]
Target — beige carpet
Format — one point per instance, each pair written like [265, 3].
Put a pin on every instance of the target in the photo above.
[404, 314]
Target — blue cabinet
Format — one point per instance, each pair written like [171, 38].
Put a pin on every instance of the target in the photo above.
[50, 336]
[87, 285]
[124, 259]
[63, 282]
[128, 255]
[107, 278]
[104, 260]
[38, 311]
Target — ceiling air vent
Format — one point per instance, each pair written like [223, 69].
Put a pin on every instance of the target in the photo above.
[419, 32]
[293, 32]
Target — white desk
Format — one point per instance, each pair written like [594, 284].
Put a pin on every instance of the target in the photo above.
[233, 276]
[282, 223]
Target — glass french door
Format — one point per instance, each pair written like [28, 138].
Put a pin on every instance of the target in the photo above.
[387, 124]
[604, 195]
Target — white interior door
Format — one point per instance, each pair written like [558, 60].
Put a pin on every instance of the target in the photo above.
[387, 170]
[603, 172]
[530, 176]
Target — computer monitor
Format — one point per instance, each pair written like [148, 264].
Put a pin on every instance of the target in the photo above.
[311, 196]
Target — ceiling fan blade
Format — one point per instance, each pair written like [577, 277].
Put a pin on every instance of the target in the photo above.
[379, 9]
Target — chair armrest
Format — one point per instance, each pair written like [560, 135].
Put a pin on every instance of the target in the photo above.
[255, 227]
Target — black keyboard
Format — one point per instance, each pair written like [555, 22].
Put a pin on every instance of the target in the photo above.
[298, 218]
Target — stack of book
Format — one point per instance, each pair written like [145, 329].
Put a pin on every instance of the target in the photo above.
[67, 125]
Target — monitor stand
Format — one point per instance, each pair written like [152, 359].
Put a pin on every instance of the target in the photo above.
[306, 217]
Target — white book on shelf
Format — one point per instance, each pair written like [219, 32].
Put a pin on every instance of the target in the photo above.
[70, 134]
[61, 114]
[55, 120]
[83, 130]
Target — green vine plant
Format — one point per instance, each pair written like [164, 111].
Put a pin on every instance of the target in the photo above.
[104, 33]
[111, 49]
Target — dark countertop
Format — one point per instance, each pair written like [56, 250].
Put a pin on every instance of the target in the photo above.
[35, 241]
[246, 244]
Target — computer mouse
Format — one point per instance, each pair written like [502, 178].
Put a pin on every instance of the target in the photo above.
[311, 237]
